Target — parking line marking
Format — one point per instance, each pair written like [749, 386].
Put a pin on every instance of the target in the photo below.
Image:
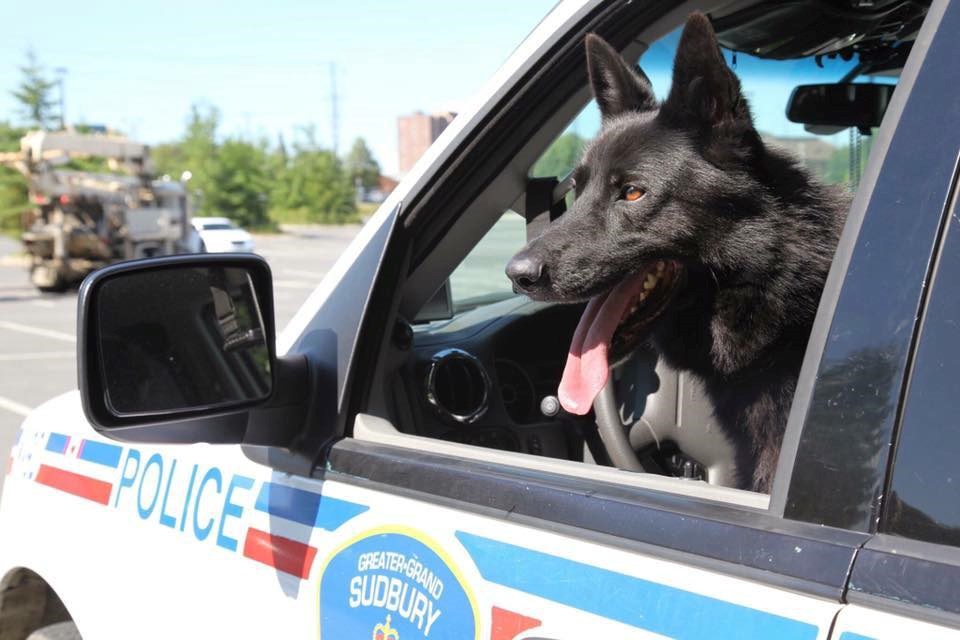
[44, 355]
[293, 284]
[46, 333]
[304, 273]
[14, 407]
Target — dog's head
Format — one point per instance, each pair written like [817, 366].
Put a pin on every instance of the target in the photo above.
[662, 195]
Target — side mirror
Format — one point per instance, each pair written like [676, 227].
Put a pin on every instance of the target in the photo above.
[840, 105]
[181, 349]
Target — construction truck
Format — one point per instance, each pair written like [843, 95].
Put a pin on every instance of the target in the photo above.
[82, 219]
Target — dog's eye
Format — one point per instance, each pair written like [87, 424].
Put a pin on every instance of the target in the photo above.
[631, 193]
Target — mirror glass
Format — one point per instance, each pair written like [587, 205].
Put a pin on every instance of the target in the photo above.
[840, 105]
[181, 338]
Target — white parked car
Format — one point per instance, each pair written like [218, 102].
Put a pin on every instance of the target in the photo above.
[220, 235]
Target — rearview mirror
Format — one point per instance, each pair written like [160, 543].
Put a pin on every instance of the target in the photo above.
[839, 106]
[172, 339]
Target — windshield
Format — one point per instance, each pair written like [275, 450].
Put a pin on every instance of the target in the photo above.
[836, 157]
[217, 226]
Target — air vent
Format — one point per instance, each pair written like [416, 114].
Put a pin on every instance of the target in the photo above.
[517, 391]
[457, 385]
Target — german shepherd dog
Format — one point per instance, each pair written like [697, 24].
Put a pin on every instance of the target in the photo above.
[690, 234]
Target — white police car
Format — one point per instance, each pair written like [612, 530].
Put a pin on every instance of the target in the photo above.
[386, 471]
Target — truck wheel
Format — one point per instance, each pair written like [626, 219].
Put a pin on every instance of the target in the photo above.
[59, 286]
[59, 631]
[48, 279]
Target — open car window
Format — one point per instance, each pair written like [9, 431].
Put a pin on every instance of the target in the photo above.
[834, 156]
[487, 375]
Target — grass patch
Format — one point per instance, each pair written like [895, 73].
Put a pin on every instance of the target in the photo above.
[303, 215]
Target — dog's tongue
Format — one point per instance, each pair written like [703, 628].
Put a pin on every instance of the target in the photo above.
[587, 366]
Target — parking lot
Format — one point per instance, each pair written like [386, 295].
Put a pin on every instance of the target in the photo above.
[38, 331]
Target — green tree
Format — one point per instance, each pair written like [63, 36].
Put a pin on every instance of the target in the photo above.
[196, 152]
[313, 186]
[361, 166]
[838, 167]
[13, 187]
[560, 157]
[36, 104]
[319, 187]
[239, 184]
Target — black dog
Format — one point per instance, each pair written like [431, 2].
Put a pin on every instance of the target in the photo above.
[689, 233]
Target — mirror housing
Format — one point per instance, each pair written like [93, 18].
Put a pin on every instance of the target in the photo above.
[840, 105]
[181, 349]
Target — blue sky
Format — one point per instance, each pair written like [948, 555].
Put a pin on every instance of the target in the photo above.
[766, 83]
[266, 65]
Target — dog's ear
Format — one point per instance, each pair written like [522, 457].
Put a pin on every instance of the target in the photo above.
[617, 87]
[705, 92]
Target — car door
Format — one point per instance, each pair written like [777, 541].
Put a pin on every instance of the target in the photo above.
[533, 549]
[905, 581]
[526, 548]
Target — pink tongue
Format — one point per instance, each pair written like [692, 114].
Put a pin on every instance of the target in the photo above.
[587, 366]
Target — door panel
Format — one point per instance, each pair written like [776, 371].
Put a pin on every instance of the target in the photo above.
[439, 572]
[857, 622]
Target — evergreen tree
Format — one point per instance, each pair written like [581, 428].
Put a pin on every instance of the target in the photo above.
[361, 166]
[36, 104]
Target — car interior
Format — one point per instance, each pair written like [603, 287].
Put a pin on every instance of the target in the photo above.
[473, 368]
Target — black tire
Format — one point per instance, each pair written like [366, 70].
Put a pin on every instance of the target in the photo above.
[59, 631]
[59, 286]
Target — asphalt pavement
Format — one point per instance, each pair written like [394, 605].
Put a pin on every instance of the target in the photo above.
[38, 330]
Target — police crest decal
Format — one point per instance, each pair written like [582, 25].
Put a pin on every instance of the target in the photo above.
[395, 584]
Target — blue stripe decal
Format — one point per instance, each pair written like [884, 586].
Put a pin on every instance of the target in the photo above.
[305, 507]
[57, 442]
[849, 635]
[646, 605]
[100, 453]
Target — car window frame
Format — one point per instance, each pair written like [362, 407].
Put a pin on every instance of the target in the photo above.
[698, 531]
[915, 578]
[757, 544]
[856, 476]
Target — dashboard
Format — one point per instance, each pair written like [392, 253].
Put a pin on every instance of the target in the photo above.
[480, 377]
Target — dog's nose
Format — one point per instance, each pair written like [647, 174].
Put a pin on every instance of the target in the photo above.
[525, 271]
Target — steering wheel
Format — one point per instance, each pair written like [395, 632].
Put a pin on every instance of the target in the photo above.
[660, 405]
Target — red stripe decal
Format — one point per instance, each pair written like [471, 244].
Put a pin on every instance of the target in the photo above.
[75, 484]
[507, 625]
[280, 553]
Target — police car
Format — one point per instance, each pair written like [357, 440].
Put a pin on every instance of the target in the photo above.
[393, 466]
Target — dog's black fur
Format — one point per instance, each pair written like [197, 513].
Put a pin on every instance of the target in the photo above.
[754, 231]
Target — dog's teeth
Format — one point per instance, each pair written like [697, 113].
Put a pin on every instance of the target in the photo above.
[650, 281]
[643, 296]
[660, 266]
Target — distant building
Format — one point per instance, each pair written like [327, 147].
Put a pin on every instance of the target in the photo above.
[813, 153]
[416, 132]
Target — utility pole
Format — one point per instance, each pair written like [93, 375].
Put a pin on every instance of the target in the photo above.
[61, 72]
[334, 115]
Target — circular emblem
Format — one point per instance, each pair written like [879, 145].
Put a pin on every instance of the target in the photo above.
[394, 585]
